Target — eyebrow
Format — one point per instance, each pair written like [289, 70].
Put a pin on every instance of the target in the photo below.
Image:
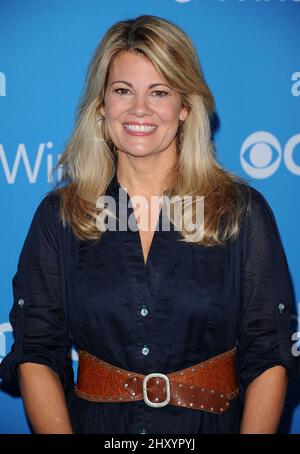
[130, 85]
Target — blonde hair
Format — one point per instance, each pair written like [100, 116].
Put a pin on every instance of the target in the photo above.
[89, 160]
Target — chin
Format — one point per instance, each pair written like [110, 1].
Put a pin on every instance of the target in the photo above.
[135, 151]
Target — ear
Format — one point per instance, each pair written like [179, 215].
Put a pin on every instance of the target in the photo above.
[102, 111]
[183, 114]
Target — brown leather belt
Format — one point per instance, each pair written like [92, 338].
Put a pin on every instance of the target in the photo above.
[206, 386]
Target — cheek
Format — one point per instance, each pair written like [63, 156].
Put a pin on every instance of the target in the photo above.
[113, 107]
[111, 110]
[170, 113]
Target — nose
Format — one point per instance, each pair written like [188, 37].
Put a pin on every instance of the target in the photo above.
[140, 106]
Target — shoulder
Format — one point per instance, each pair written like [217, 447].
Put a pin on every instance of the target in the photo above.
[255, 203]
[260, 209]
[49, 206]
[46, 220]
[259, 223]
[51, 200]
[44, 233]
[257, 200]
[250, 197]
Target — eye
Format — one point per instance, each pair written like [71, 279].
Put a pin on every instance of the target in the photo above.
[160, 93]
[121, 91]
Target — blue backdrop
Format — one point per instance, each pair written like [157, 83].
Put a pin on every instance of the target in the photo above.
[249, 52]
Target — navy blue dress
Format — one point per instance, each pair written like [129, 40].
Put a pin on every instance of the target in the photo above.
[189, 303]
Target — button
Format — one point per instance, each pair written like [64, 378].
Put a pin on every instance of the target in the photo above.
[21, 303]
[144, 311]
[281, 307]
[145, 350]
[143, 431]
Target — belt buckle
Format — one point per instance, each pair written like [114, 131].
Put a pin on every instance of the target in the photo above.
[168, 393]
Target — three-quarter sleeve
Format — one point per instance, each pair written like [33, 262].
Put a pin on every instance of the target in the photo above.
[39, 327]
[264, 327]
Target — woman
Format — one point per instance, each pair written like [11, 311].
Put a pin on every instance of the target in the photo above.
[207, 311]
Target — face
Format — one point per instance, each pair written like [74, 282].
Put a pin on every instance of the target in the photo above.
[142, 111]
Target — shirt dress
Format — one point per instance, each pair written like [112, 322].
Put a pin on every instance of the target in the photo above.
[187, 304]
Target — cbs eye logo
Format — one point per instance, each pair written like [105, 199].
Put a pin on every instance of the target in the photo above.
[261, 155]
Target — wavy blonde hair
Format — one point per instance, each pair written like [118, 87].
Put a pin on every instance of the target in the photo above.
[89, 160]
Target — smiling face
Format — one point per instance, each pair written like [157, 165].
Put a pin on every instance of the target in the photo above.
[142, 111]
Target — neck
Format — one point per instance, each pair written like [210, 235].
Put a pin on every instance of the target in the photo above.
[143, 178]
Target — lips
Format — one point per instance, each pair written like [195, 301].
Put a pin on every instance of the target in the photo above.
[136, 128]
[138, 123]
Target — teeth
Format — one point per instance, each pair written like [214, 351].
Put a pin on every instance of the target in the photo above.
[139, 128]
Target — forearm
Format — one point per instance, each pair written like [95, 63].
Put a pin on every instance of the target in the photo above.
[44, 399]
[264, 402]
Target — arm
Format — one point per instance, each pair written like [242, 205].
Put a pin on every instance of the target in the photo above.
[44, 399]
[264, 326]
[39, 359]
[264, 402]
